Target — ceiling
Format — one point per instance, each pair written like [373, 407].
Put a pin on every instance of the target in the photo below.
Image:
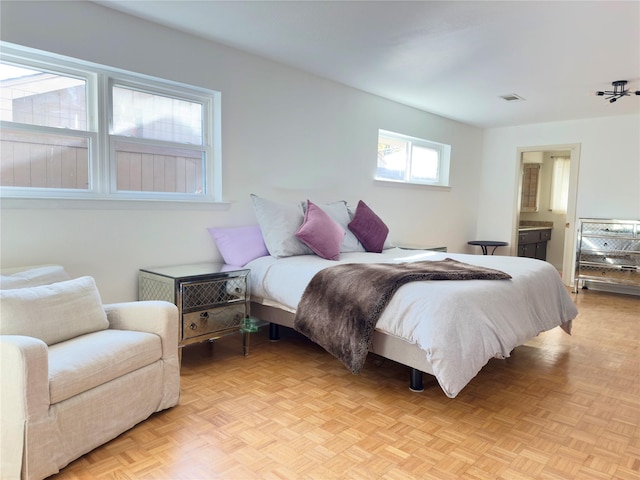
[451, 58]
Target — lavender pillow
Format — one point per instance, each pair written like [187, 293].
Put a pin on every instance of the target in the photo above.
[320, 233]
[368, 228]
[239, 245]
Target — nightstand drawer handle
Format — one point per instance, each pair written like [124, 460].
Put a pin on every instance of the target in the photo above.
[193, 326]
[204, 314]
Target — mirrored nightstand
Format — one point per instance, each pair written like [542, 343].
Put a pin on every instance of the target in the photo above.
[212, 299]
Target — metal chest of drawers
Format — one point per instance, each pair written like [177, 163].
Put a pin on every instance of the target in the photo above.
[608, 252]
[212, 300]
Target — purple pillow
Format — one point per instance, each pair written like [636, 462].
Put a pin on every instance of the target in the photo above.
[368, 228]
[239, 245]
[320, 233]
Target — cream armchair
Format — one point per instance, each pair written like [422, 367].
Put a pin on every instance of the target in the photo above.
[76, 374]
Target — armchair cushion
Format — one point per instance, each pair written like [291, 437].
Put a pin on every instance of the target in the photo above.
[53, 313]
[78, 365]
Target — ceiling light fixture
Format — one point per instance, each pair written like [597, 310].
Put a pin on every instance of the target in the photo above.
[619, 91]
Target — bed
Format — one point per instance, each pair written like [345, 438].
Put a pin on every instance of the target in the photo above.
[448, 329]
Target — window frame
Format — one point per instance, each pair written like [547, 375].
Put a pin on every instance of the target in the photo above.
[444, 160]
[102, 162]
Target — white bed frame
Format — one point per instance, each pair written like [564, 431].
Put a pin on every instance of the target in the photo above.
[384, 345]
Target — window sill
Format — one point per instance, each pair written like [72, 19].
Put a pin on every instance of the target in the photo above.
[388, 183]
[108, 204]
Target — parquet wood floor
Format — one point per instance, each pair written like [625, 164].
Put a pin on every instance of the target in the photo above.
[562, 407]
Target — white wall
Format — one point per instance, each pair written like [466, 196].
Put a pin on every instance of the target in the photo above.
[608, 177]
[287, 135]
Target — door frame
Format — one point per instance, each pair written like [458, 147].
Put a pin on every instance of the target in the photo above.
[569, 251]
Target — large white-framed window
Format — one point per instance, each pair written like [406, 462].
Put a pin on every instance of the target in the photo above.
[405, 159]
[72, 129]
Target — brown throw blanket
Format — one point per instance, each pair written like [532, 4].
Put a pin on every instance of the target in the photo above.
[341, 305]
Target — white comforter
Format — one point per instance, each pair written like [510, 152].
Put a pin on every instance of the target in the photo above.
[460, 325]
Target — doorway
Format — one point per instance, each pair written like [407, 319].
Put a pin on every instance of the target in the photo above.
[547, 210]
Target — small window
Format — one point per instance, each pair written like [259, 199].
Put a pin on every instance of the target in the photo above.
[407, 159]
[530, 187]
[71, 129]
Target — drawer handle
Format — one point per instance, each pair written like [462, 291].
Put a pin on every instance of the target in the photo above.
[204, 314]
[193, 326]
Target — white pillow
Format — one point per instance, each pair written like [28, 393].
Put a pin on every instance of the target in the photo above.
[34, 277]
[53, 313]
[279, 224]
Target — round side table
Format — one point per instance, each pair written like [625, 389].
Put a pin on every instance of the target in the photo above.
[483, 244]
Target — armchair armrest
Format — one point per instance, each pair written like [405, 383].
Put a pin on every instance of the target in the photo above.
[24, 369]
[153, 316]
[161, 318]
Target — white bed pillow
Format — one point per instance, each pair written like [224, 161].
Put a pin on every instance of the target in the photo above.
[34, 277]
[279, 224]
[53, 313]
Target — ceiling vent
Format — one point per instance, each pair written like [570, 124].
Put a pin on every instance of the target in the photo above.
[512, 97]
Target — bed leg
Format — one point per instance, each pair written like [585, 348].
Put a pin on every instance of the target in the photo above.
[415, 384]
[274, 332]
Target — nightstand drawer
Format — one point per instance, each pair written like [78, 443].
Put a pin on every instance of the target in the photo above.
[207, 293]
[624, 274]
[212, 322]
